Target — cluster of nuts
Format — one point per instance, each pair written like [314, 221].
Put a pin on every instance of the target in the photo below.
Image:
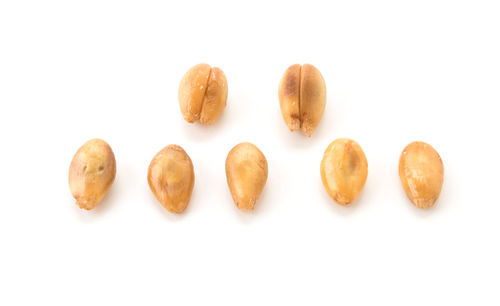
[302, 96]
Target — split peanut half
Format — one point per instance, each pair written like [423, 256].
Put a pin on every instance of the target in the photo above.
[246, 173]
[91, 173]
[203, 94]
[421, 172]
[344, 170]
[171, 178]
[302, 95]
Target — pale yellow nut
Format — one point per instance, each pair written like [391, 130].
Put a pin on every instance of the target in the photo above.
[421, 172]
[91, 173]
[246, 173]
[202, 94]
[302, 95]
[344, 170]
[171, 178]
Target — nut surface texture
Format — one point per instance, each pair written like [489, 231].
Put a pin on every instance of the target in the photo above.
[203, 94]
[91, 173]
[344, 170]
[246, 173]
[171, 178]
[302, 95]
[421, 172]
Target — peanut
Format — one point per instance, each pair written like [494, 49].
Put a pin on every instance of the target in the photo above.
[344, 170]
[171, 178]
[421, 172]
[91, 173]
[302, 95]
[203, 94]
[246, 173]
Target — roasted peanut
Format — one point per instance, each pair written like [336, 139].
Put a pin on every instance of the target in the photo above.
[171, 178]
[302, 95]
[421, 172]
[344, 170]
[203, 94]
[91, 173]
[246, 173]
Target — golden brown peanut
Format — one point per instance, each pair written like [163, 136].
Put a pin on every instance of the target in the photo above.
[302, 95]
[421, 172]
[91, 173]
[246, 173]
[203, 94]
[344, 170]
[171, 178]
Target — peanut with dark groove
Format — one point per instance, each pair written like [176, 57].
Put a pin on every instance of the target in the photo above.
[203, 94]
[302, 95]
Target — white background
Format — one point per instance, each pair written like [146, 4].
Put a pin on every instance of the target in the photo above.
[396, 71]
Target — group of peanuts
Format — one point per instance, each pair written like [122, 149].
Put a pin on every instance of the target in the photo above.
[302, 95]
